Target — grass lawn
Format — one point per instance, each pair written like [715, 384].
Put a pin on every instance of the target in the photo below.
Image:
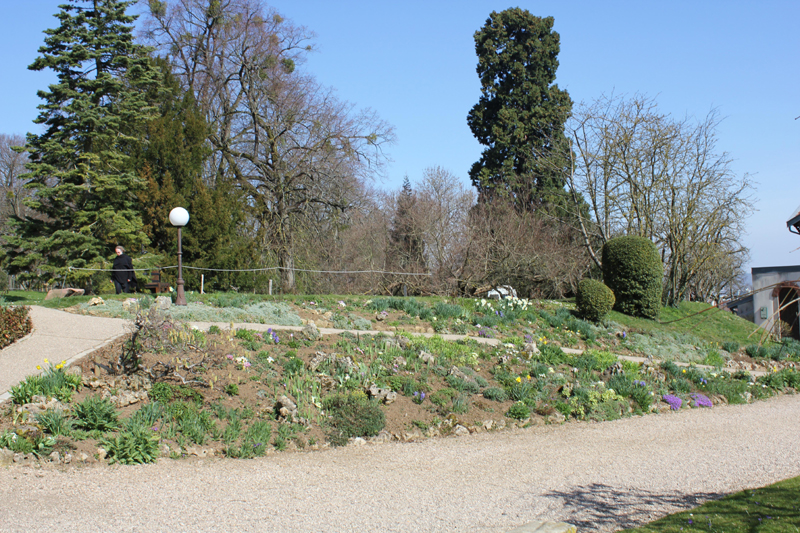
[707, 323]
[774, 508]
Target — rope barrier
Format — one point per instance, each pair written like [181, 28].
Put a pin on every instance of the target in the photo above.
[259, 270]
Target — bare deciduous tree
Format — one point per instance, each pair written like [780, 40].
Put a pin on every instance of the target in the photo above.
[289, 144]
[644, 173]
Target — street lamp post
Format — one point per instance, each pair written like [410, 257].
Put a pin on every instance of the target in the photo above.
[179, 217]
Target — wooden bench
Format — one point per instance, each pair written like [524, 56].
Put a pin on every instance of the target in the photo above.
[155, 284]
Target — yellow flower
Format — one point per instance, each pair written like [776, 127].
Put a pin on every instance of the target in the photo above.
[46, 361]
[63, 361]
[529, 377]
[38, 367]
[519, 379]
[684, 370]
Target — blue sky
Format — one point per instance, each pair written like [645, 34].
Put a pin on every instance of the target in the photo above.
[414, 63]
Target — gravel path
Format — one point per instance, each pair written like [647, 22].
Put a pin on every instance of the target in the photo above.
[600, 477]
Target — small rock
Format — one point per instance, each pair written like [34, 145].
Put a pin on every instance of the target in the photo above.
[488, 425]
[383, 436]
[311, 332]
[427, 358]
[358, 441]
[163, 302]
[55, 457]
[556, 418]
[67, 458]
[101, 453]
[6, 456]
[83, 457]
[285, 407]
[96, 301]
[460, 430]
[432, 432]
[531, 349]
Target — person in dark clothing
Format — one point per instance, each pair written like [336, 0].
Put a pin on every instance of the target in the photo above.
[122, 272]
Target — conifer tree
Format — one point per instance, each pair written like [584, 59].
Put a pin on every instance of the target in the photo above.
[521, 113]
[171, 163]
[405, 244]
[80, 171]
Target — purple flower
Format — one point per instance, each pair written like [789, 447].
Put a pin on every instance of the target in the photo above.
[673, 401]
[701, 400]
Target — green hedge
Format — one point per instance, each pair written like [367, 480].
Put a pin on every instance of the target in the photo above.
[632, 269]
[594, 300]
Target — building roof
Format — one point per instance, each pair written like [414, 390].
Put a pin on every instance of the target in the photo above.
[794, 222]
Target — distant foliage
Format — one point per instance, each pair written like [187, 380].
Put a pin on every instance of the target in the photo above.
[15, 323]
[594, 300]
[632, 269]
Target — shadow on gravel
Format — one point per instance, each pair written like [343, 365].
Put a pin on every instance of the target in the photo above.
[604, 508]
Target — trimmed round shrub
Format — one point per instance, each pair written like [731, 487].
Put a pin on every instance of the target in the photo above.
[594, 300]
[632, 269]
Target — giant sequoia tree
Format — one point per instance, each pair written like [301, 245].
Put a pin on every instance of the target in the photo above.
[521, 112]
[80, 174]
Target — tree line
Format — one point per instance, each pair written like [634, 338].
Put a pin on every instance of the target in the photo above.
[211, 110]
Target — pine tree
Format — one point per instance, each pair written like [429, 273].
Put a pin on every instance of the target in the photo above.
[80, 172]
[521, 112]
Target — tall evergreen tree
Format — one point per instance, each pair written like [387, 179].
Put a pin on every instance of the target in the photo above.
[172, 162]
[80, 172]
[405, 244]
[521, 113]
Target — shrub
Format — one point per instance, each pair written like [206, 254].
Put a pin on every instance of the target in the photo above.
[632, 269]
[443, 396]
[352, 416]
[593, 300]
[96, 413]
[135, 445]
[495, 393]
[757, 352]
[160, 392]
[519, 411]
[15, 323]
[730, 346]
